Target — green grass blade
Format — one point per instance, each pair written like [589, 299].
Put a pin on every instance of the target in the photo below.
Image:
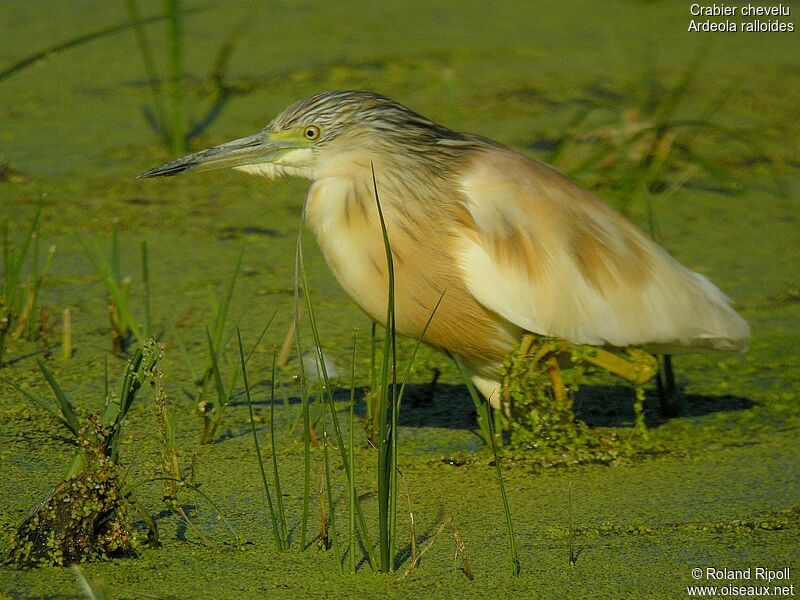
[32, 317]
[261, 335]
[569, 137]
[224, 394]
[513, 559]
[351, 473]
[216, 508]
[329, 490]
[177, 127]
[666, 107]
[149, 63]
[275, 474]
[91, 590]
[64, 404]
[387, 436]
[8, 261]
[373, 377]
[39, 276]
[25, 248]
[140, 365]
[146, 289]
[116, 254]
[195, 489]
[212, 353]
[41, 404]
[276, 529]
[669, 103]
[106, 273]
[14, 306]
[182, 349]
[13, 262]
[51, 51]
[416, 348]
[117, 409]
[9, 293]
[304, 407]
[106, 399]
[222, 312]
[481, 407]
[306, 413]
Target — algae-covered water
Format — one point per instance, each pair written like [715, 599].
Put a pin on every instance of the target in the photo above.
[720, 488]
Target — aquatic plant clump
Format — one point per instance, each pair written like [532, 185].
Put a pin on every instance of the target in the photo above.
[83, 518]
[538, 417]
[534, 417]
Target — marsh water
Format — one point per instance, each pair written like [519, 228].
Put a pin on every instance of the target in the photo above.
[564, 81]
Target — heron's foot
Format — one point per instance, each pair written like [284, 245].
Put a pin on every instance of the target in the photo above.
[633, 364]
[547, 354]
[542, 376]
[542, 355]
[538, 386]
[540, 381]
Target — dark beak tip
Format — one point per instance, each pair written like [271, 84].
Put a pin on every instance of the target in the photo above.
[152, 173]
[167, 170]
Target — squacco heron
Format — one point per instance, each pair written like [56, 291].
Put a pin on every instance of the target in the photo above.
[511, 246]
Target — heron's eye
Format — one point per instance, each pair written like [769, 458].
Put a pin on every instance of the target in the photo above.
[311, 133]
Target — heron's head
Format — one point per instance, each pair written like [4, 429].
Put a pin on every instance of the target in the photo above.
[328, 132]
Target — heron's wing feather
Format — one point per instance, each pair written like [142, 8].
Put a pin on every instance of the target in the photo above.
[555, 260]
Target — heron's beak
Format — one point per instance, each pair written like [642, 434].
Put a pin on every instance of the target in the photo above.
[254, 149]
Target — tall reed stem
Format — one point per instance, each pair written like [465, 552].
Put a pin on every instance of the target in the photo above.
[513, 558]
[275, 474]
[177, 133]
[276, 529]
[351, 474]
[387, 434]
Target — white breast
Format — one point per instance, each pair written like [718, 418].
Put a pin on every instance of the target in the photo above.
[349, 235]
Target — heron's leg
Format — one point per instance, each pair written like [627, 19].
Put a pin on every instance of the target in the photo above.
[525, 348]
[638, 367]
[527, 343]
[635, 365]
[543, 354]
[666, 389]
[552, 347]
[557, 382]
